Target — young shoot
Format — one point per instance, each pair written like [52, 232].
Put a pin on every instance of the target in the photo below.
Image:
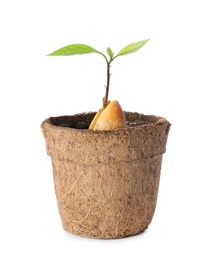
[85, 49]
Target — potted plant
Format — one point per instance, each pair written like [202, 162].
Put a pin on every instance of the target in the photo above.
[106, 165]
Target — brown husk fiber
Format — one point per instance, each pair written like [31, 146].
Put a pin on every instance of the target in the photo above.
[106, 182]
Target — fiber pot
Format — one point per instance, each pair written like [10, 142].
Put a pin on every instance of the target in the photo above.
[106, 182]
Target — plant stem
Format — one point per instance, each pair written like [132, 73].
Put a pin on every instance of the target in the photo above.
[108, 84]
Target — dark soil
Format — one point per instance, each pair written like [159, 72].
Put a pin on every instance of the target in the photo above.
[82, 121]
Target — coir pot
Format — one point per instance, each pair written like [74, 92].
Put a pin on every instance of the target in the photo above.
[106, 182]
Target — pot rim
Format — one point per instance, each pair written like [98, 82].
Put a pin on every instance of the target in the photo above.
[151, 121]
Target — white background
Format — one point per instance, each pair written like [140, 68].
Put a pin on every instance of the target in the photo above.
[171, 76]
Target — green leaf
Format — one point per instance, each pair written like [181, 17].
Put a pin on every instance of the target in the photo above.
[110, 53]
[132, 47]
[73, 49]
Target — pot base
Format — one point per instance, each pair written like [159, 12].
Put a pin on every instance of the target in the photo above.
[110, 236]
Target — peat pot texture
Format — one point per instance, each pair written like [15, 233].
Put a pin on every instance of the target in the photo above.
[106, 182]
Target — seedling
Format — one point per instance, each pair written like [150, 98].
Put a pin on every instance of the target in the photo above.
[113, 117]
